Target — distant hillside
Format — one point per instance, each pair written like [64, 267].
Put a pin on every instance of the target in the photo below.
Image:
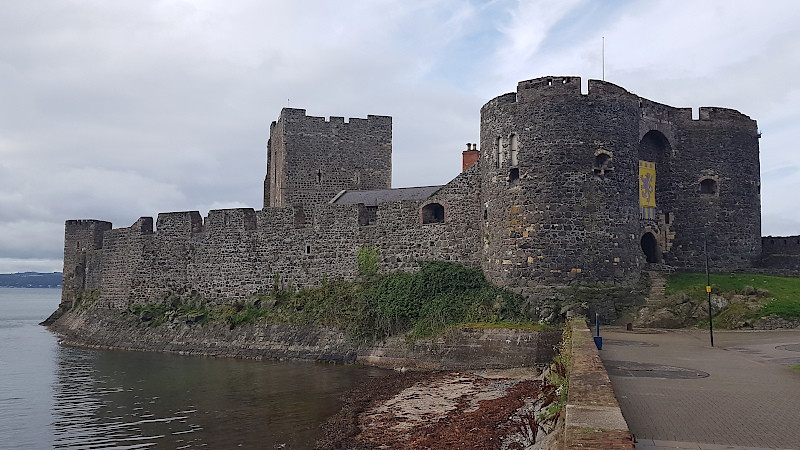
[30, 280]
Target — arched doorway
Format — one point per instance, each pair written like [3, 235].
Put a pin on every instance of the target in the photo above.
[650, 248]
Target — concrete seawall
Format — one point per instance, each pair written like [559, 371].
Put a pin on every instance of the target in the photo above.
[459, 349]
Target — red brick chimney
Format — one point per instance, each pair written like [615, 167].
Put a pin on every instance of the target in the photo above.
[470, 156]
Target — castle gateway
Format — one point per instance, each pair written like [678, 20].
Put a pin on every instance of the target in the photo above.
[566, 188]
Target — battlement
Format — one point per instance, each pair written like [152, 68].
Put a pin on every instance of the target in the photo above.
[179, 223]
[716, 113]
[144, 225]
[537, 88]
[296, 116]
[85, 234]
[780, 245]
[238, 219]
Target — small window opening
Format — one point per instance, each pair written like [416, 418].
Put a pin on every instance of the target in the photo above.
[708, 187]
[432, 213]
[601, 166]
[514, 150]
[498, 152]
[485, 215]
[319, 176]
[549, 82]
[513, 176]
[308, 249]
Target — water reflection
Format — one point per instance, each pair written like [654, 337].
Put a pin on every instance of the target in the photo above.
[132, 400]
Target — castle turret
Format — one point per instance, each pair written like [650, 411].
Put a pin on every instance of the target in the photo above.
[558, 182]
[80, 237]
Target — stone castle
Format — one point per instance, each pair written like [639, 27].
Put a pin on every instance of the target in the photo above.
[567, 188]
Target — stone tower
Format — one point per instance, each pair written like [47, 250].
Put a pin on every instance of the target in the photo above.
[586, 188]
[310, 159]
[81, 240]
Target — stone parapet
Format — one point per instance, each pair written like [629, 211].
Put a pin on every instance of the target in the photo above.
[593, 419]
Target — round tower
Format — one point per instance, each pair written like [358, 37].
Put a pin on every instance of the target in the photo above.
[559, 191]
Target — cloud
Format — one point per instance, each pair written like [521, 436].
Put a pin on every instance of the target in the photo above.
[116, 110]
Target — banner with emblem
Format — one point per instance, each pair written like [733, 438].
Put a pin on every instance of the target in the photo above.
[647, 184]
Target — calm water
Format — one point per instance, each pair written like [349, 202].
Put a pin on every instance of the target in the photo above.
[61, 397]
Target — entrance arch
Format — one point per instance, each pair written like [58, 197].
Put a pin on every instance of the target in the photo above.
[650, 248]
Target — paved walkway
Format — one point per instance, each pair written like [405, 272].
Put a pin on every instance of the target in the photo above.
[676, 391]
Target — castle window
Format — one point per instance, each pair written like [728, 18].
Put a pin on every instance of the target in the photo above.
[708, 187]
[601, 165]
[308, 249]
[498, 152]
[485, 214]
[432, 213]
[514, 150]
[319, 176]
[513, 176]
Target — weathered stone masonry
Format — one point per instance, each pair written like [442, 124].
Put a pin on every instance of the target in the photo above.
[553, 199]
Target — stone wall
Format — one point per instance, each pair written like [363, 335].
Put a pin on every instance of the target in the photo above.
[780, 254]
[233, 254]
[461, 349]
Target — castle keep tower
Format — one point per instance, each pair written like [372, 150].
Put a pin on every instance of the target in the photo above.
[558, 184]
[310, 160]
[597, 187]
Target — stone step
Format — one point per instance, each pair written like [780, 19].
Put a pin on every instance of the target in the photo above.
[657, 287]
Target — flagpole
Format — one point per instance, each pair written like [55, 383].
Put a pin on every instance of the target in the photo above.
[604, 58]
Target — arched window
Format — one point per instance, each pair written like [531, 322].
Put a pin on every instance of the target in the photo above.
[708, 186]
[514, 150]
[432, 213]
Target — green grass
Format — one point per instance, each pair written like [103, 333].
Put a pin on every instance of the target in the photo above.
[795, 367]
[783, 293]
[439, 296]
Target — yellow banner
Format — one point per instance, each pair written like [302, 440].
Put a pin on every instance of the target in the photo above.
[647, 184]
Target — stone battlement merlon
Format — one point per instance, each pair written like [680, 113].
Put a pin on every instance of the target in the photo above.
[236, 219]
[184, 223]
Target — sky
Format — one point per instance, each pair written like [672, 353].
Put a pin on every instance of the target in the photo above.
[117, 110]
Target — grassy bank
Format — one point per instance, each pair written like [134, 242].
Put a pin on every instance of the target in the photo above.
[440, 295]
[740, 298]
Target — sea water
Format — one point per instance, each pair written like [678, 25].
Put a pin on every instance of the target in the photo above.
[53, 396]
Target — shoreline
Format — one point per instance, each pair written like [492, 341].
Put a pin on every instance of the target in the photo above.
[459, 349]
[442, 409]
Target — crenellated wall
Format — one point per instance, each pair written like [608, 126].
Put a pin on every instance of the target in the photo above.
[233, 254]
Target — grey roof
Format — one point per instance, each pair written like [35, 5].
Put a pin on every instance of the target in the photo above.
[378, 196]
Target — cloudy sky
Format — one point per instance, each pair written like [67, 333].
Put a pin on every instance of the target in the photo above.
[116, 110]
